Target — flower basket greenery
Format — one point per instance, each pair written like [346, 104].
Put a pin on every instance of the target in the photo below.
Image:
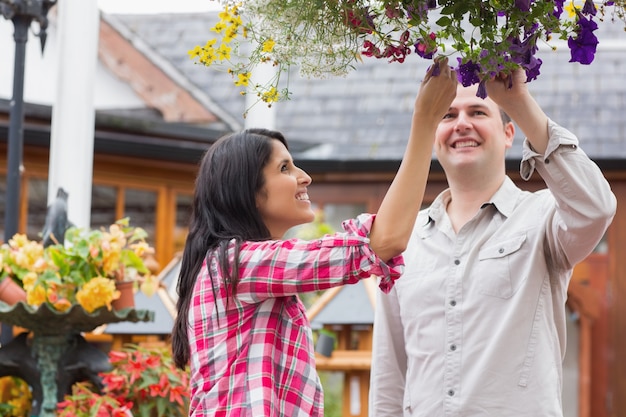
[144, 382]
[83, 270]
[330, 37]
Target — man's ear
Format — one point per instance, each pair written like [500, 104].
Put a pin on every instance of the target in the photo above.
[509, 133]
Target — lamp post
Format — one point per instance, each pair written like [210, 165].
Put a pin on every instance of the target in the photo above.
[22, 13]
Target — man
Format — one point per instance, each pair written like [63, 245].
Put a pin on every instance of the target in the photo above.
[476, 325]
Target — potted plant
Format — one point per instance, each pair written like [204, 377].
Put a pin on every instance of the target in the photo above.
[86, 269]
[144, 382]
[18, 257]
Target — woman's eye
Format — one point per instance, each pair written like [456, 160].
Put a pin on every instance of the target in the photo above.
[284, 168]
[448, 116]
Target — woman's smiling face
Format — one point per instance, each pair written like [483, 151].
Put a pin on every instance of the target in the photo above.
[283, 202]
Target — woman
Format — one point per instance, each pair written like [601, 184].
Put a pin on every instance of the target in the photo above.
[240, 324]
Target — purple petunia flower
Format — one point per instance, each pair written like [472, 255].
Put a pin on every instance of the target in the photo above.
[583, 47]
[523, 5]
[558, 8]
[589, 8]
[468, 73]
[523, 53]
[532, 71]
[422, 48]
[482, 90]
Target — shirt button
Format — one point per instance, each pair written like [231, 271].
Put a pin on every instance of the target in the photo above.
[456, 262]
[451, 392]
[452, 303]
[547, 161]
[501, 250]
[453, 347]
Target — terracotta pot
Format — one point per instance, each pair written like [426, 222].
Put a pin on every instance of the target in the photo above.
[127, 295]
[10, 292]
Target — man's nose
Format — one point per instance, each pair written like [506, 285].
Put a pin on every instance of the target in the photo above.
[462, 122]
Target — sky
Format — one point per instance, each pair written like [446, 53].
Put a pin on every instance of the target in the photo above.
[157, 6]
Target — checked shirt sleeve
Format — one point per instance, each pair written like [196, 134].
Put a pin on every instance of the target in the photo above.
[280, 268]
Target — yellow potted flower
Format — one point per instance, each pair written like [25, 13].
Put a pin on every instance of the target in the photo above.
[86, 269]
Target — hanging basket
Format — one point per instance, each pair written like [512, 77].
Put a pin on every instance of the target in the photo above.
[10, 292]
[127, 295]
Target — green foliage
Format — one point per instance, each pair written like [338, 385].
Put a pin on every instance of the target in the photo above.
[332, 382]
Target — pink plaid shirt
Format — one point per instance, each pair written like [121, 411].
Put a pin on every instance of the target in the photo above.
[257, 359]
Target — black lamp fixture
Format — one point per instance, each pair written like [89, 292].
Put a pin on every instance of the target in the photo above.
[23, 13]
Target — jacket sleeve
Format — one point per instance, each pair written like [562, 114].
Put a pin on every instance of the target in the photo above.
[585, 204]
[389, 360]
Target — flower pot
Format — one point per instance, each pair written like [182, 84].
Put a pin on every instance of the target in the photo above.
[127, 295]
[10, 292]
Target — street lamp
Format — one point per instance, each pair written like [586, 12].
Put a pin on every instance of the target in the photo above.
[22, 13]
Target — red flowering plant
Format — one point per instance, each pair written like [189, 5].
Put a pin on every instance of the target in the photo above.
[144, 382]
[329, 37]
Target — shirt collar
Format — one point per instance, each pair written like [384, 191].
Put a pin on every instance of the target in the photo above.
[503, 200]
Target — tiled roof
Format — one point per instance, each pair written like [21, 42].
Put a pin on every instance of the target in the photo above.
[366, 115]
[351, 305]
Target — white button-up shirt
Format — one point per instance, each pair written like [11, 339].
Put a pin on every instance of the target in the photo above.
[476, 325]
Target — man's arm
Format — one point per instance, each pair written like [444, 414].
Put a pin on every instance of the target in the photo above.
[585, 204]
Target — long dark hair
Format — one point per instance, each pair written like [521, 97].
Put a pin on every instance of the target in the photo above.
[224, 208]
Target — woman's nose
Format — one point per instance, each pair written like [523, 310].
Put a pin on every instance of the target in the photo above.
[304, 177]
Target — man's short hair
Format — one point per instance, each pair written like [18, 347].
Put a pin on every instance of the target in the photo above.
[505, 117]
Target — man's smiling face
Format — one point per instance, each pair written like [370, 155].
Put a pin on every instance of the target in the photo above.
[472, 133]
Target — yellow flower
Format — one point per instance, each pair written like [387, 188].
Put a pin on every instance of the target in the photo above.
[224, 14]
[28, 282]
[98, 292]
[242, 79]
[268, 45]
[195, 52]
[229, 34]
[219, 27]
[270, 96]
[223, 52]
[236, 21]
[110, 261]
[142, 248]
[18, 241]
[116, 236]
[571, 8]
[36, 296]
